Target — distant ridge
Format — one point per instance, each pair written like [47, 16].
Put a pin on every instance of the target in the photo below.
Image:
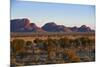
[24, 25]
[52, 27]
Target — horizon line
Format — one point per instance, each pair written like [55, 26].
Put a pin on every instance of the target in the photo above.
[53, 22]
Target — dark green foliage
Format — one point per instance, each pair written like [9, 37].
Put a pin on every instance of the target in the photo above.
[52, 50]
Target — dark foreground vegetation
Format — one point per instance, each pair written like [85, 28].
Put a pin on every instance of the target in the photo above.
[52, 51]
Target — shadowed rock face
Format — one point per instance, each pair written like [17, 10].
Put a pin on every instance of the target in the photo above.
[52, 27]
[84, 28]
[24, 25]
[18, 24]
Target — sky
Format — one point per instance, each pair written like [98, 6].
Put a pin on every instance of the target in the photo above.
[63, 14]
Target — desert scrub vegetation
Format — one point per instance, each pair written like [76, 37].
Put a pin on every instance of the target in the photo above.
[52, 51]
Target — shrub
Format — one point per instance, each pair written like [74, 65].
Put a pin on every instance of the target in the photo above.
[28, 43]
[72, 56]
[65, 42]
[18, 45]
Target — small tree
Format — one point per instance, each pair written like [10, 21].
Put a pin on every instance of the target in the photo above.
[28, 43]
[65, 42]
[76, 42]
[18, 45]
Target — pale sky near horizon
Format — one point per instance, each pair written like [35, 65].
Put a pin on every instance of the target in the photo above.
[63, 14]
